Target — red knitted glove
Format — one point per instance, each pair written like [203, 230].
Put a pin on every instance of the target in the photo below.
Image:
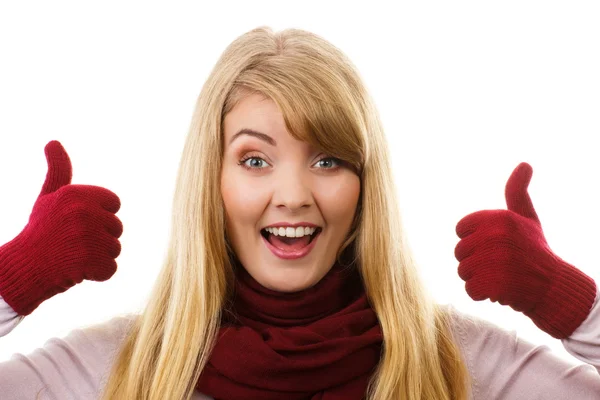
[503, 255]
[71, 235]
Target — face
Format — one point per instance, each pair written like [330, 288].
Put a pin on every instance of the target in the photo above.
[270, 179]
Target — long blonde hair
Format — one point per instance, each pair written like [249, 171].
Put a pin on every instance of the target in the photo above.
[325, 103]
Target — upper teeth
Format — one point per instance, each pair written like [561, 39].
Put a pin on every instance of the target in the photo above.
[291, 232]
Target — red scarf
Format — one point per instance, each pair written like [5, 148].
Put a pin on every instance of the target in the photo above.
[321, 343]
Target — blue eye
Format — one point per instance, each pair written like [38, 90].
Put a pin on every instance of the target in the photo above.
[257, 161]
[243, 162]
[330, 158]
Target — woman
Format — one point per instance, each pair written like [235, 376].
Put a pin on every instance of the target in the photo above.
[286, 277]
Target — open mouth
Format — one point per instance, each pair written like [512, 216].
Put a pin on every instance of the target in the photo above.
[290, 243]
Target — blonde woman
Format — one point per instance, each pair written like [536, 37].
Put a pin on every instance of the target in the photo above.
[287, 274]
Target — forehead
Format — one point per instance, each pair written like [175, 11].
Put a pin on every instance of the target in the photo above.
[259, 114]
[255, 112]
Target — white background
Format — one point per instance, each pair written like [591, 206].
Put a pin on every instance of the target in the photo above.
[466, 91]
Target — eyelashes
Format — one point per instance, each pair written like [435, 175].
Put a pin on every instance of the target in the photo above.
[243, 163]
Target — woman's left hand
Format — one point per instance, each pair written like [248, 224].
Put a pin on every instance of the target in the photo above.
[503, 255]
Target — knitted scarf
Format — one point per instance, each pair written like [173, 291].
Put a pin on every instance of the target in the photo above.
[321, 343]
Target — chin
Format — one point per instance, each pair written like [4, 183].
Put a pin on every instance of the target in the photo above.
[287, 281]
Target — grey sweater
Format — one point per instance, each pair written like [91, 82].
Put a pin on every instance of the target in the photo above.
[502, 365]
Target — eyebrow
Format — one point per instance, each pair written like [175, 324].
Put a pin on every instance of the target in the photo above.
[256, 134]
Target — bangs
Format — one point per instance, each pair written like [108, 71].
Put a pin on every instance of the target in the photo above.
[317, 107]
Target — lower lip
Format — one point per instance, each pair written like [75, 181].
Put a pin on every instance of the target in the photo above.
[291, 255]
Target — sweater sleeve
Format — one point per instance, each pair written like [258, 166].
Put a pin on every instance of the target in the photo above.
[503, 366]
[9, 319]
[73, 367]
[584, 342]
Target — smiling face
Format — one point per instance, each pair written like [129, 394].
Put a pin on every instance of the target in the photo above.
[269, 178]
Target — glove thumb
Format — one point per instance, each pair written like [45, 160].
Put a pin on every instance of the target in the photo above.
[517, 197]
[59, 168]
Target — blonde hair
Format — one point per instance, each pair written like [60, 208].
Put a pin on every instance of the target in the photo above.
[325, 103]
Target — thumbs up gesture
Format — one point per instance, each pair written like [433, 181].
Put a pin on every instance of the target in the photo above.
[503, 256]
[72, 235]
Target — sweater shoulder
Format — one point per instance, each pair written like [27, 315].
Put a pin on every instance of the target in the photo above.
[99, 343]
[103, 336]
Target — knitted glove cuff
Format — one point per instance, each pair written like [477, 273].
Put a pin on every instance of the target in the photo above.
[18, 278]
[567, 303]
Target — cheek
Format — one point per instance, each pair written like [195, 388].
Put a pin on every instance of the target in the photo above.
[338, 201]
[244, 202]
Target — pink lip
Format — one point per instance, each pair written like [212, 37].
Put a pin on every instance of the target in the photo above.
[291, 255]
[286, 224]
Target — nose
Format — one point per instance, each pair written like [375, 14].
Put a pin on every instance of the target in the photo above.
[293, 192]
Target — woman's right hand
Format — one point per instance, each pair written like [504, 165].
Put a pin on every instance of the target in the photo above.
[72, 235]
